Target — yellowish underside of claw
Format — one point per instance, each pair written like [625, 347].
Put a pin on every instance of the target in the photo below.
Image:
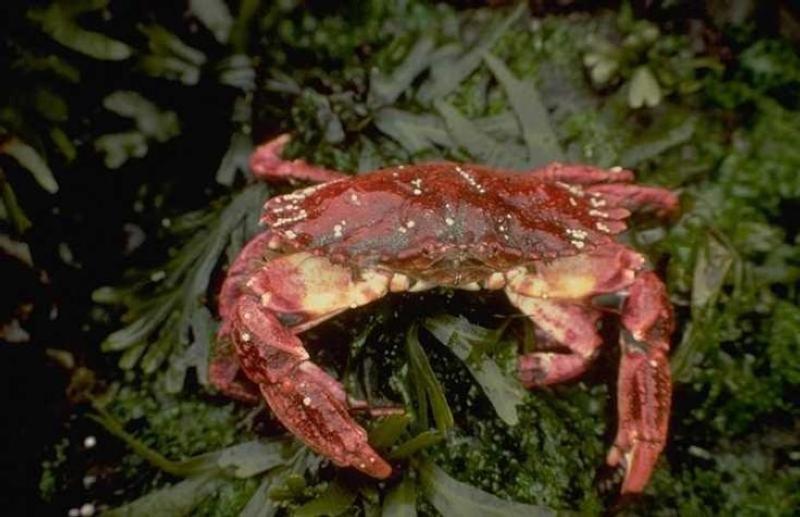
[329, 288]
[325, 288]
[563, 286]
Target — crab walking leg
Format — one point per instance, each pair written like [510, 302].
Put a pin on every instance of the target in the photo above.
[224, 372]
[310, 403]
[582, 174]
[267, 164]
[555, 297]
[644, 385]
[571, 326]
[638, 198]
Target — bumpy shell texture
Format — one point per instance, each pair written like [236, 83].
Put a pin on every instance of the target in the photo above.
[413, 217]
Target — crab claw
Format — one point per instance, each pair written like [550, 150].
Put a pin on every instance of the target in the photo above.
[313, 412]
[644, 391]
[307, 401]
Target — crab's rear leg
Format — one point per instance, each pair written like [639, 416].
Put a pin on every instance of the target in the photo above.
[267, 164]
[644, 389]
[555, 296]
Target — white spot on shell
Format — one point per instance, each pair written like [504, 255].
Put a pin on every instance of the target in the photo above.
[89, 442]
[307, 401]
[245, 337]
[290, 234]
[470, 179]
[449, 221]
[300, 216]
[603, 227]
[411, 224]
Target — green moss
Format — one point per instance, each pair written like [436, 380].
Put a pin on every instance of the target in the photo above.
[550, 457]
[228, 500]
[177, 426]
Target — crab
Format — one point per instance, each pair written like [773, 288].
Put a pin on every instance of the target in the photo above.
[546, 237]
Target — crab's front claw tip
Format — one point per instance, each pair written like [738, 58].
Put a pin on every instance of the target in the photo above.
[370, 463]
[637, 462]
[313, 406]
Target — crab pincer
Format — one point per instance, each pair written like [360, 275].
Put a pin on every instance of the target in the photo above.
[308, 401]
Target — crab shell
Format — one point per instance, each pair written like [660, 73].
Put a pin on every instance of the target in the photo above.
[547, 237]
[444, 222]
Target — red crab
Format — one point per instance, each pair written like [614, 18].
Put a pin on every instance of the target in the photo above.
[546, 237]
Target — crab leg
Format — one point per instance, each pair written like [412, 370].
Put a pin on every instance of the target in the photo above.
[267, 164]
[638, 198]
[644, 385]
[557, 299]
[572, 326]
[224, 371]
[582, 174]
